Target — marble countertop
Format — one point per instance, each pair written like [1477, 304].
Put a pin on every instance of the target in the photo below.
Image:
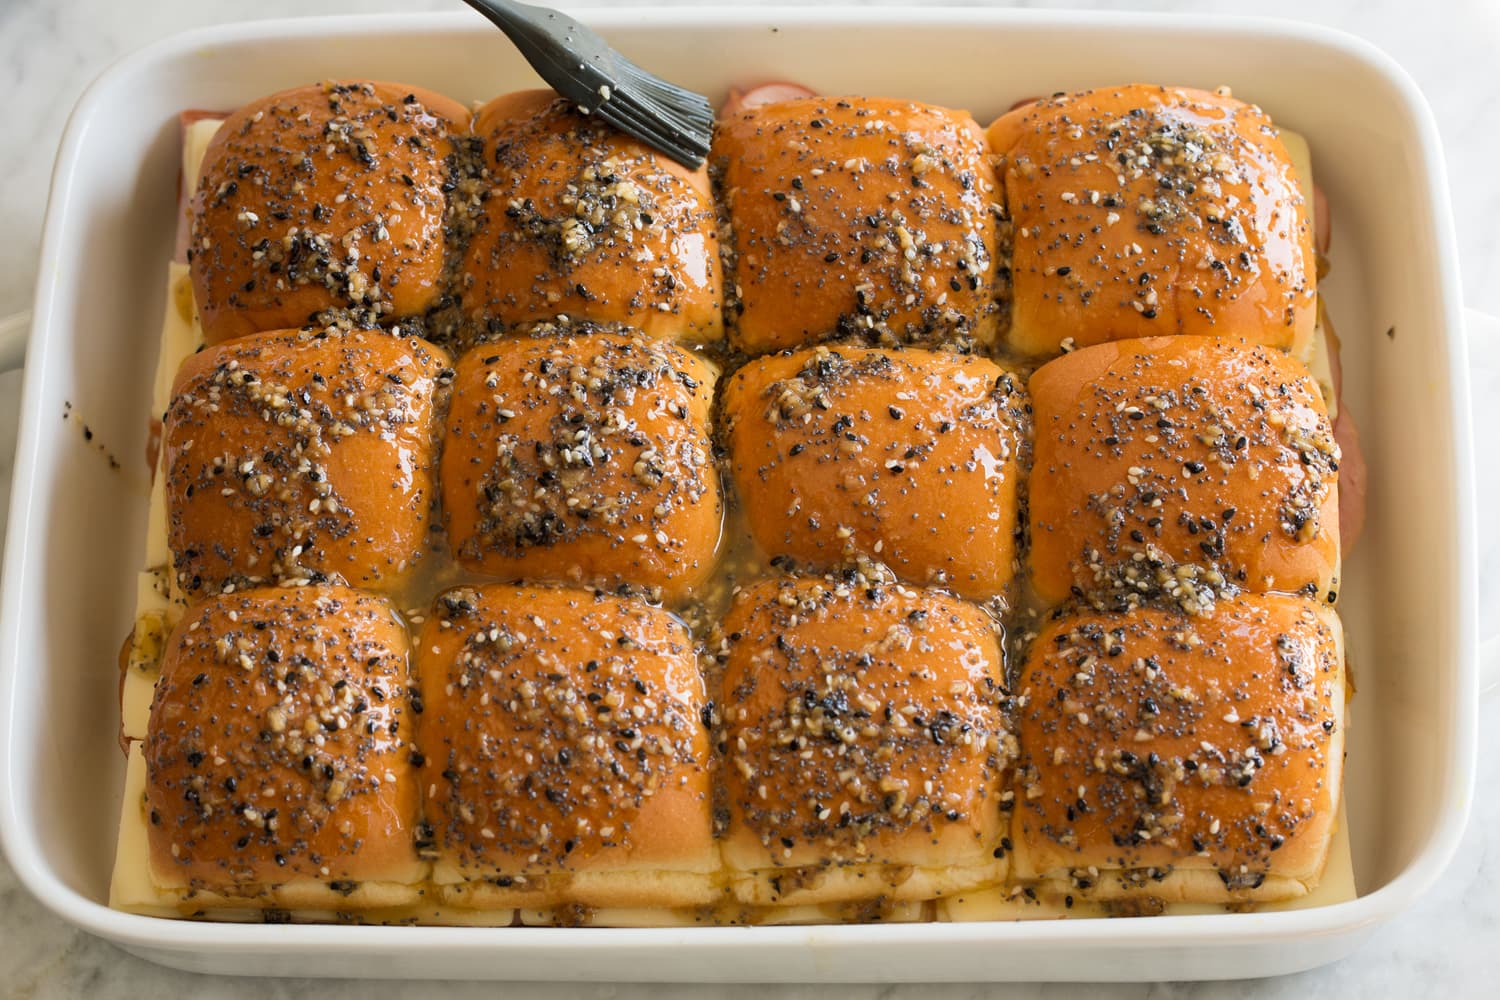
[1444, 946]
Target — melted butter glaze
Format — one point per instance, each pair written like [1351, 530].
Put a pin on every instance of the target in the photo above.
[580, 220]
[1151, 741]
[278, 743]
[563, 731]
[1142, 210]
[1179, 469]
[323, 203]
[296, 457]
[837, 454]
[863, 217]
[862, 722]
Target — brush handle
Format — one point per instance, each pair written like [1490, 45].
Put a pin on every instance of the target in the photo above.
[574, 60]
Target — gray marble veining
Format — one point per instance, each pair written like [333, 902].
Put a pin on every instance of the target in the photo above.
[1445, 946]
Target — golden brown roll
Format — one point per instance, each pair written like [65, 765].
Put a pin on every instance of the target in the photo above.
[856, 216]
[1181, 467]
[1139, 211]
[582, 221]
[908, 457]
[583, 456]
[277, 756]
[1189, 759]
[323, 203]
[302, 457]
[567, 757]
[864, 743]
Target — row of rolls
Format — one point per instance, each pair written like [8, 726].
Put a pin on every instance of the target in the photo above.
[1116, 213]
[1170, 467]
[556, 527]
[856, 744]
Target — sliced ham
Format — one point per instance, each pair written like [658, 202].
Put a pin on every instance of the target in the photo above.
[765, 93]
[123, 662]
[153, 445]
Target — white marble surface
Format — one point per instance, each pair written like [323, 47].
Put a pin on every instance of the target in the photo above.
[1445, 946]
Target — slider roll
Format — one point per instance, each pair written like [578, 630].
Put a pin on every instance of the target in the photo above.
[864, 743]
[302, 457]
[1181, 468]
[581, 221]
[1141, 211]
[856, 217]
[1167, 758]
[324, 204]
[839, 452]
[278, 764]
[584, 456]
[566, 751]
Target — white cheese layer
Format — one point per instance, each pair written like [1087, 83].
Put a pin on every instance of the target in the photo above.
[1011, 903]
[157, 606]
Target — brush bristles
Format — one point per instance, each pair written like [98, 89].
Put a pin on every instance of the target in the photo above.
[676, 121]
[686, 149]
[691, 106]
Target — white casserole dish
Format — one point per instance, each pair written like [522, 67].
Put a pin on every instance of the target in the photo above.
[1408, 600]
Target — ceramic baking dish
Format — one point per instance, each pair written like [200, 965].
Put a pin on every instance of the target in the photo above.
[76, 525]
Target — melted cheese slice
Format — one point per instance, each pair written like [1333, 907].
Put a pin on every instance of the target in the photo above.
[896, 913]
[157, 604]
[1012, 903]
[132, 887]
